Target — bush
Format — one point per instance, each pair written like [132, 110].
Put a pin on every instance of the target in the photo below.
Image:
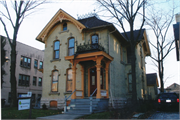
[44, 107]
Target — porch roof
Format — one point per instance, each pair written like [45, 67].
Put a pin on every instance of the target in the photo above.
[89, 56]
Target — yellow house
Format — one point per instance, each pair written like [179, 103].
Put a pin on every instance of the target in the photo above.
[89, 57]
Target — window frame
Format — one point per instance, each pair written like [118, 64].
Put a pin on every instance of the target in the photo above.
[36, 67]
[35, 81]
[56, 50]
[24, 82]
[129, 82]
[71, 47]
[68, 80]
[64, 26]
[55, 80]
[40, 65]
[92, 39]
[40, 82]
[24, 63]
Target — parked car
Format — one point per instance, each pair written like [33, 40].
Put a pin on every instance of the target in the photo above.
[168, 101]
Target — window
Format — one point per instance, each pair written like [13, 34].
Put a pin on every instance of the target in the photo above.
[55, 77]
[40, 82]
[121, 52]
[33, 98]
[24, 80]
[56, 49]
[129, 54]
[129, 83]
[35, 64]
[39, 95]
[94, 39]
[25, 62]
[40, 65]
[9, 97]
[34, 81]
[69, 80]
[64, 26]
[71, 47]
[141, 57]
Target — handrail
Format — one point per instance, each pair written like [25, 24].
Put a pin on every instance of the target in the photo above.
[65, 106]
[93, 92]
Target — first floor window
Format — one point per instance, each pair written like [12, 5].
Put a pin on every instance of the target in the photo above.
[33, 98]
[9, 97]
[130, 83]
[40, 82]
[55, 77]
[24, 80]
[34, 81]
[69, 80]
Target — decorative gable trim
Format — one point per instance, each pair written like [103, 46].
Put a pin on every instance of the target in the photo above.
[58, 17]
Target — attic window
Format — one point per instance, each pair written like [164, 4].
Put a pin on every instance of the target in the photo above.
[64, 26]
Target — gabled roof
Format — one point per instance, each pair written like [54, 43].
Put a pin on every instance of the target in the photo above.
[93, 22]
[58, 17]
[136, 32]
[152, 79]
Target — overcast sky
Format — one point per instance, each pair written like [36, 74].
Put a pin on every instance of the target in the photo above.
[33, 24]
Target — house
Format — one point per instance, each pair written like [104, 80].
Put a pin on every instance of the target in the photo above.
[152, 84]
[173, 88]
[29, 79]
[89, 57]
[177, 35]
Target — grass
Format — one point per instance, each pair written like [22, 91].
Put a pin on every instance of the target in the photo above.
[14, 113]
[102, 115]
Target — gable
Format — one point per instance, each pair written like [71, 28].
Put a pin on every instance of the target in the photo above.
[58, 17]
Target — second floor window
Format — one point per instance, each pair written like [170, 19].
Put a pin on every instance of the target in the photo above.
[25, 62]
[71, 47]
[94, 39]
[34, 81]
[24, 80]
[35, 64]
[40, 82]
[56, 49]
[40, 65]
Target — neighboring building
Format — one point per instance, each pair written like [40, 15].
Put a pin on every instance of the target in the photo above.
[152, 85]
[173, 88]
[177, 36]
[86, 54]
[28, 61]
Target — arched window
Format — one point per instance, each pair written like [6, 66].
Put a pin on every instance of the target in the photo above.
[56, 49]
[94, 39]
[55, 77]
[71, 47]
[64, 26]
[69, 80]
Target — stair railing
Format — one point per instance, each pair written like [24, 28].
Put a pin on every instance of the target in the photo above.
[65, 106]
[91, 100]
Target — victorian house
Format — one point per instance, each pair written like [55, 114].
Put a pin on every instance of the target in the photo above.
[89, 57]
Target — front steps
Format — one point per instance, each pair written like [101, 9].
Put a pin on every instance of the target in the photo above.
[82, 106]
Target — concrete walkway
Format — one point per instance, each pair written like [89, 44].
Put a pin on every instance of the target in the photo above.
[61, 116]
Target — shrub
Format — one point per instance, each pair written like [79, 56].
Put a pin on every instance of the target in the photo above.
[44, 107]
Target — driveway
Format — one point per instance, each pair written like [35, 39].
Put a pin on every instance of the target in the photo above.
[165, 115]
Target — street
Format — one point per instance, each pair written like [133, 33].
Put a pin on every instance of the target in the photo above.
[165, 115]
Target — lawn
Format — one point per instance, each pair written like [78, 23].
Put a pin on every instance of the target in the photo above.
[14, 113]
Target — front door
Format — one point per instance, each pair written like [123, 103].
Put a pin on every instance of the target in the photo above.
[93, 80]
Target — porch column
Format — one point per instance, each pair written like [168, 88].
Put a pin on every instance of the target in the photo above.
[107, 77]
[98, 70]
[73, 81]
[82, 80]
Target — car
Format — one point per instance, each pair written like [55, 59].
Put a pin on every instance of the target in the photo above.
[168, 101]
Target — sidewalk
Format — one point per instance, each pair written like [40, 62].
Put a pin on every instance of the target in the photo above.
[62, 116]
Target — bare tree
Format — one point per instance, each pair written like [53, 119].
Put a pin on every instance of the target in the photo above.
[160, 21]
[21, 9]
[126, 11]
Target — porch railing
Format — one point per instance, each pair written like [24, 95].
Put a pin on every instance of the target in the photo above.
[89, 47]
[91, 100]
[66, 98]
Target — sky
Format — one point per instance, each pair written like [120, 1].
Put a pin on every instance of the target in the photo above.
[33, 24]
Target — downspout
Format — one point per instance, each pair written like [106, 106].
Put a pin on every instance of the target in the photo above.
[109, 72]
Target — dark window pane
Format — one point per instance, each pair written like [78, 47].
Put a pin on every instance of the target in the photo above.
[64, 26]
[94, 39]
[35, 63]
[56, 45]
[71, 51]
[21, 63]
[40, 65]
[40, 82]
[34, 81]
